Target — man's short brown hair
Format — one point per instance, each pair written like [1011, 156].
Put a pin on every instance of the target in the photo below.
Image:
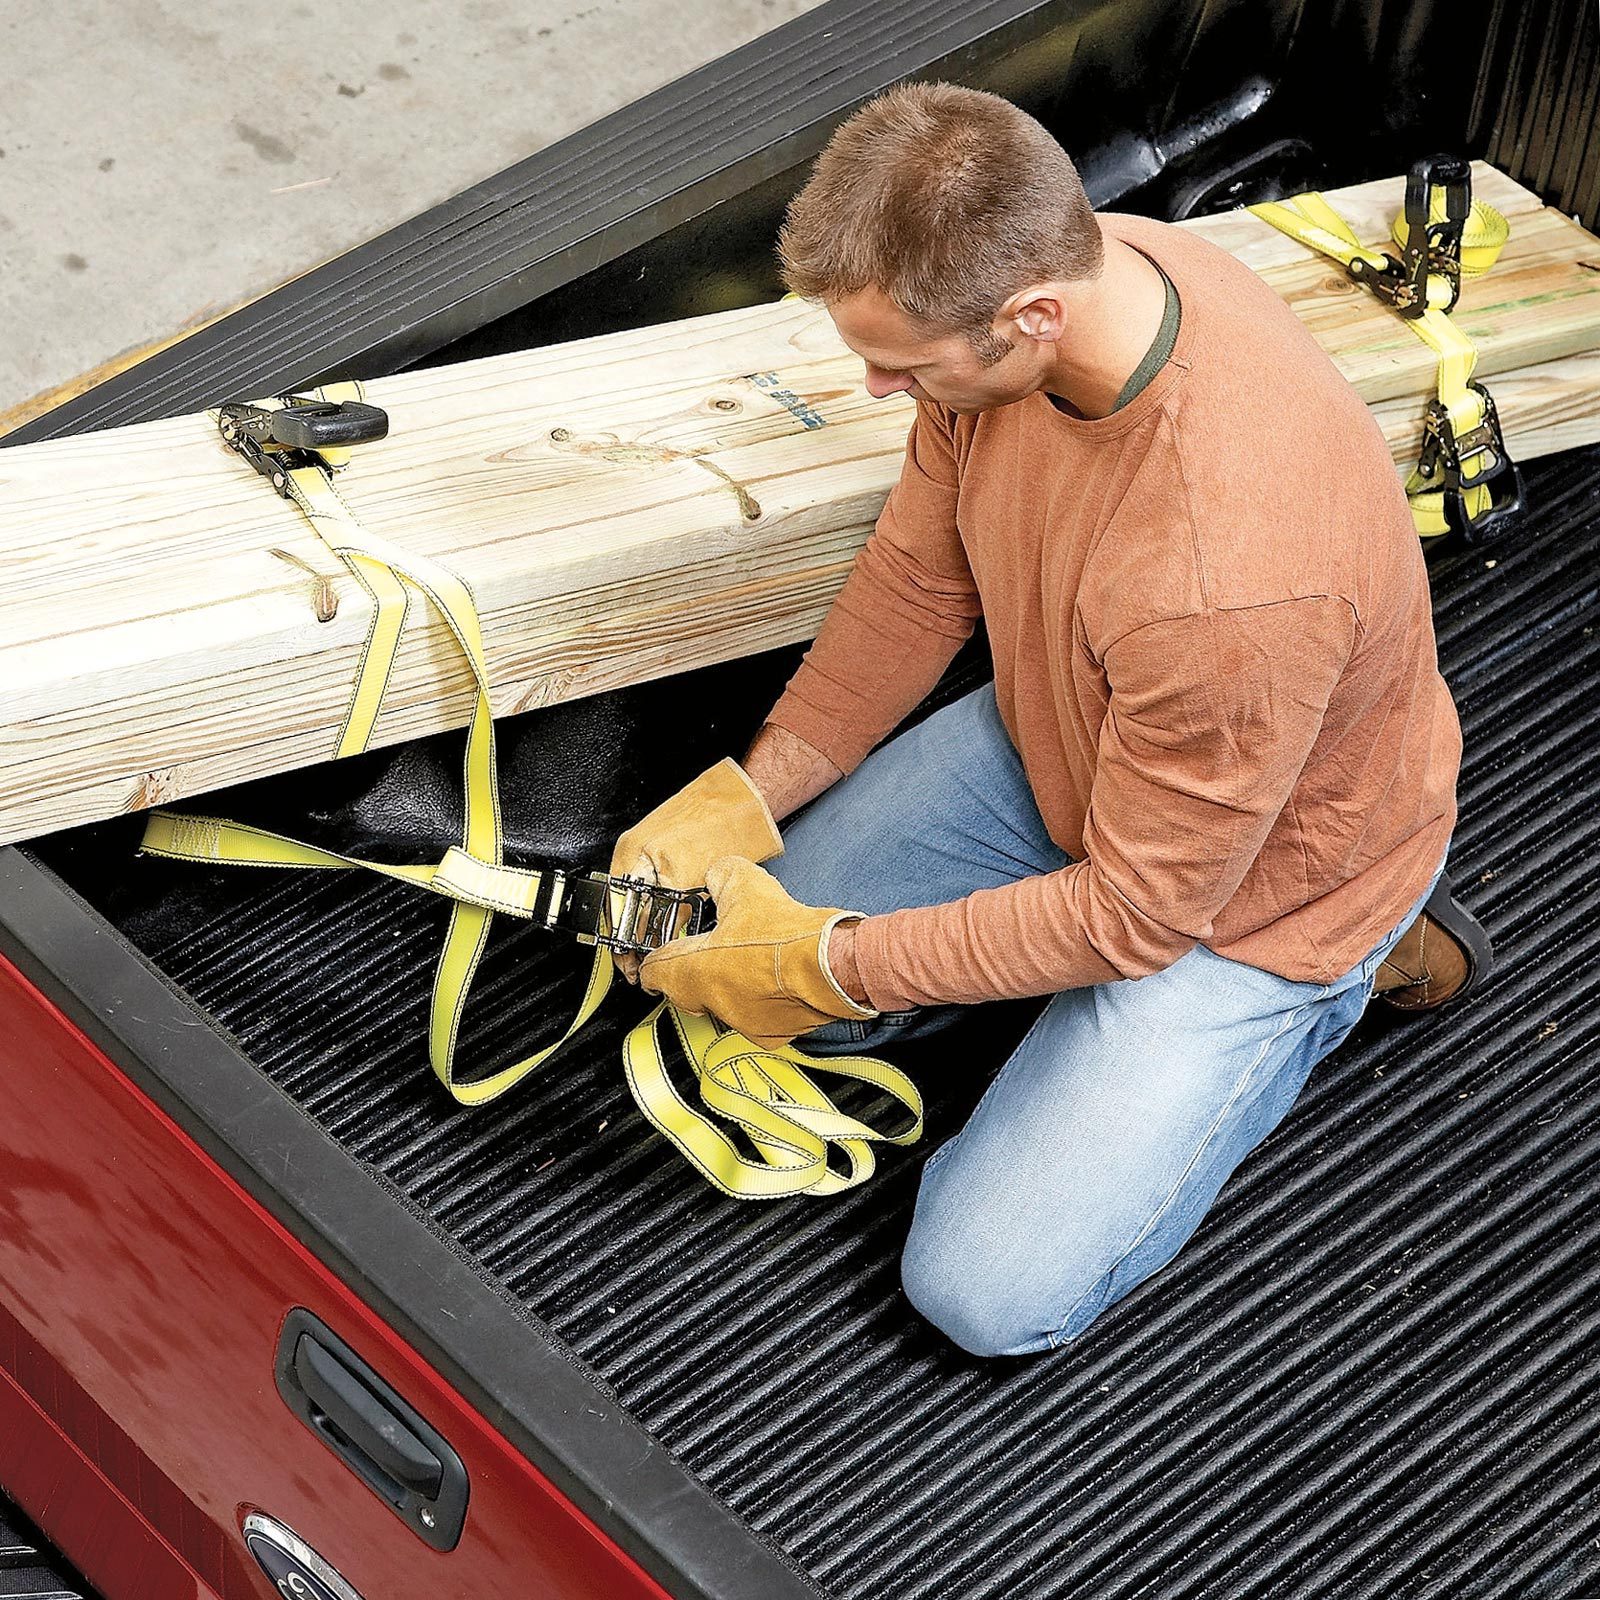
[946, 199]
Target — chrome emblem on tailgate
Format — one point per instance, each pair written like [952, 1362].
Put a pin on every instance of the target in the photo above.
[298, 1571]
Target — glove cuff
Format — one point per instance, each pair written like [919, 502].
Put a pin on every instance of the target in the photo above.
[761, 819]
[853, 1007]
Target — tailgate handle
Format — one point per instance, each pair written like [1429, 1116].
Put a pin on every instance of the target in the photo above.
[358, 1422]
[405, 1461]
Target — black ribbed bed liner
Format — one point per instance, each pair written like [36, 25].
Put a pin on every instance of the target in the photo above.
[1372, 1373]
[28, 1566]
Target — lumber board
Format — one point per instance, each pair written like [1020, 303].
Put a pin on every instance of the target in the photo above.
[623, 507]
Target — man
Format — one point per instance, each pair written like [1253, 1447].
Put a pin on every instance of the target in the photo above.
[1209, 793]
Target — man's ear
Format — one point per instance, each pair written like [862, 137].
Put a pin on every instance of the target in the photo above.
[1037, 312]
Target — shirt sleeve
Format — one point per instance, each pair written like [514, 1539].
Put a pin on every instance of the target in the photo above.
[905, 609]
[1211, 718]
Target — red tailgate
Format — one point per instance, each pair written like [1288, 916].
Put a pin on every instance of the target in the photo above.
[142, 1296]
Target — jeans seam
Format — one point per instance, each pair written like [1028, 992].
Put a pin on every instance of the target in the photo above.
[1199, 1150]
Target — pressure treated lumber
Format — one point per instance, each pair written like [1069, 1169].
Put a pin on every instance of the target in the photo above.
[623, 507]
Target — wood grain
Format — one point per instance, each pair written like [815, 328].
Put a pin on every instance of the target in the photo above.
[623, 507]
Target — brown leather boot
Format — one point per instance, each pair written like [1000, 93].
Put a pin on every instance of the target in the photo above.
[1442, 956]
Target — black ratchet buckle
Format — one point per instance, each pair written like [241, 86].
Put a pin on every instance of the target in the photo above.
[1474, 459]
[277, 440]
[1431, 247]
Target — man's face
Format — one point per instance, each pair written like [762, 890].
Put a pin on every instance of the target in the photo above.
[901, 356]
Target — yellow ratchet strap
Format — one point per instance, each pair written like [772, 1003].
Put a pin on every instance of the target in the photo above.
[1311, 220]
[767, 1092]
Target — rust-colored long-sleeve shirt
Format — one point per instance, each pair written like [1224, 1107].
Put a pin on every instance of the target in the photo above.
[1213, 650]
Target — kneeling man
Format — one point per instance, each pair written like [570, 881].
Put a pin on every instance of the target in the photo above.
[1204, 804]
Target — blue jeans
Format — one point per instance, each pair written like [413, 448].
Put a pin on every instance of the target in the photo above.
[1108, 1132]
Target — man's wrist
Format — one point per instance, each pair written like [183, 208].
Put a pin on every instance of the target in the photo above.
[787, 770]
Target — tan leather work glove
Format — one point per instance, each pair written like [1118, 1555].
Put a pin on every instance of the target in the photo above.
[763, 970]
[719, 813]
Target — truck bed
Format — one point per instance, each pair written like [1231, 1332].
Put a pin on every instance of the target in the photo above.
[1372, 1368]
